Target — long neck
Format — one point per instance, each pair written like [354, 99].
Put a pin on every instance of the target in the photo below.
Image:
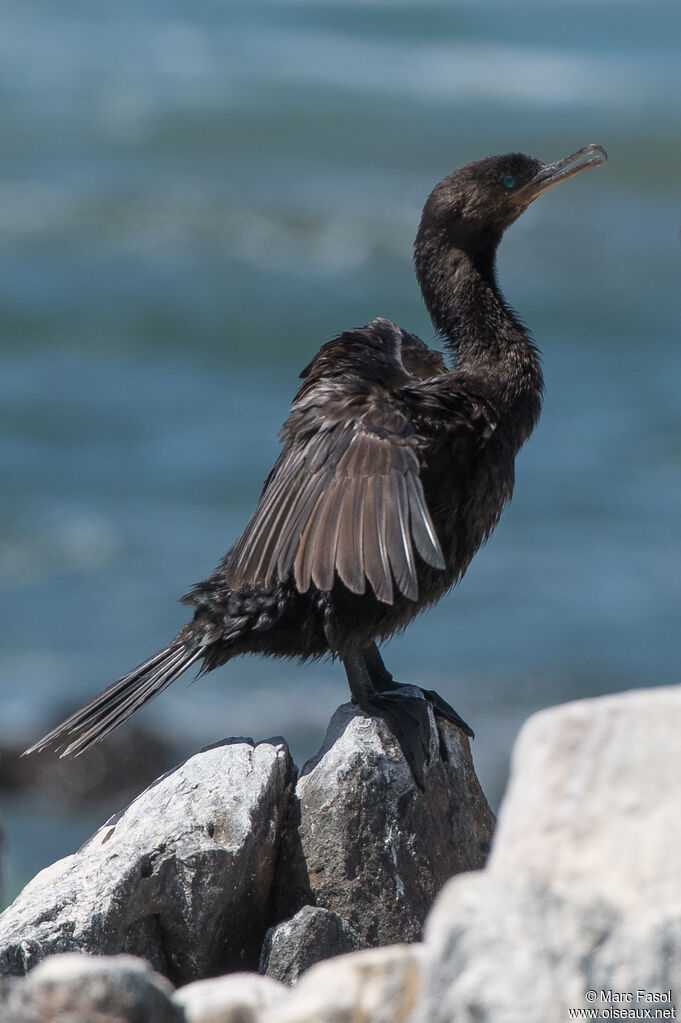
[487, 342]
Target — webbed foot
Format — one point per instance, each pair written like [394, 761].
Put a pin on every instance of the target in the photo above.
[383, 681]
[405, 711]
[444, 710]
[403, 707]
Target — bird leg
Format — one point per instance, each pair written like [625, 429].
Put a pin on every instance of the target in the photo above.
[383, 681]
[404, 710]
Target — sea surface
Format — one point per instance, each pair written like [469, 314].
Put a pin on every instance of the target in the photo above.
[194, 196]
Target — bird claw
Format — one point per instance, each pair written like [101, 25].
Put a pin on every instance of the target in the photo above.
[440, 707]
[444, 710]
[404, 708]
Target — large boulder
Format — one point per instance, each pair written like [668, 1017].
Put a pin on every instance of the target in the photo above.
[75, 988]
[594, 798]
[182, 877]
[367, 844]
[580, 906]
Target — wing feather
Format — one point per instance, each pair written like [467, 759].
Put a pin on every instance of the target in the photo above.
[376, 565]
[384, 520]
[262, 553]
[422, 528]
[302, 565]
[345, 500]
[292, 529]
[245, 556]
[350, 546]
[323, 539]
[401, 553]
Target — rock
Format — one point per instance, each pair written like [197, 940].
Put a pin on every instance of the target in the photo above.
[312, 935]
[91, 989]
[191, 875]
[238, 998]
[377, 985]
[7, 985]
[369, 845]
[181, 877]
[580, 905]
[594, 797]
[504, 949]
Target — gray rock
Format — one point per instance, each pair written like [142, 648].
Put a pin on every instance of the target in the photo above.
[378, 985]
[91, 989]
[185, 876]
[505, 949]
[594, 797]
[580, 905]
[369, 845]
[181, 877]
[312, 935]
[7, 984]
[238, 998]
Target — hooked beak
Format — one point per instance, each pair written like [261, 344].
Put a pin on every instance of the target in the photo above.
[553, 173]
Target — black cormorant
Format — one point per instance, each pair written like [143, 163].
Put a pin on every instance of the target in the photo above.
[394, 470]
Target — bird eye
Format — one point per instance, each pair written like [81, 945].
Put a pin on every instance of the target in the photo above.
[508, 180]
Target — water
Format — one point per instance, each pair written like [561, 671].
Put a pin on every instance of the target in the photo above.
[193, 197]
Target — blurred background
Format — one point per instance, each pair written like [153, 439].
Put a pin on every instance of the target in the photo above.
[193, 197]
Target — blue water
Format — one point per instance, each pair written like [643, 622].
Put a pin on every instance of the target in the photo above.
[193, 196]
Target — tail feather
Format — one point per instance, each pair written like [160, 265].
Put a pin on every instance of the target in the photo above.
[110, 708]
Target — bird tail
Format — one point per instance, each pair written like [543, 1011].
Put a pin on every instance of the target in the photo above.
[114, 705]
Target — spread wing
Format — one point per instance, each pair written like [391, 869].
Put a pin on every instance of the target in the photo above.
[346, 500]
[345, 497]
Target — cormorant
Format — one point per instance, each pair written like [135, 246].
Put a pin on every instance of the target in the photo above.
[394, 471]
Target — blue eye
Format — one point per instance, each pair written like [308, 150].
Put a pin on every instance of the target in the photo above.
[508, 180]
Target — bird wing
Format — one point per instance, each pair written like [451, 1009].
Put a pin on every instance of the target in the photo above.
[348, 499]
[345, 496]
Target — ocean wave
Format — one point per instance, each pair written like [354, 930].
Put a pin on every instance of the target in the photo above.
[129, 66]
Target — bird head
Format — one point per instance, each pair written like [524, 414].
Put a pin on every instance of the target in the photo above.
[472, 207]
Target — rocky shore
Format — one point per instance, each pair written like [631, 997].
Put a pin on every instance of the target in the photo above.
[233, 890]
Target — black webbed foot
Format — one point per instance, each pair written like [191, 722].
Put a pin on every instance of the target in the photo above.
[383, 681]
[405, 711]
[403, 707]
[444, 710]
[441, 709]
